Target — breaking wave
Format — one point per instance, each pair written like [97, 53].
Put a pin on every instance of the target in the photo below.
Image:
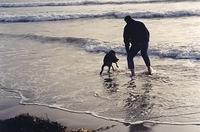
[92, 45]
[86, 2]
[116, 15]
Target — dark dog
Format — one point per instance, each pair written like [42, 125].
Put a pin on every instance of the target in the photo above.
[109, 58]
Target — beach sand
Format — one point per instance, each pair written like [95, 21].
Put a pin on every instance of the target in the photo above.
[10, 108]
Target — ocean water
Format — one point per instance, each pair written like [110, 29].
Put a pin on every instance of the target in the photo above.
[51, 53]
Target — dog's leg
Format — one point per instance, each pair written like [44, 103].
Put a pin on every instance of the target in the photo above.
[109, 69]
[102, 69]
[117, 65]
[113, 68]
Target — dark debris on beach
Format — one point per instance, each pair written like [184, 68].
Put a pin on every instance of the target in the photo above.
[27, 123]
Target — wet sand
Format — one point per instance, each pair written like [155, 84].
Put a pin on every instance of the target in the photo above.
[10, 108]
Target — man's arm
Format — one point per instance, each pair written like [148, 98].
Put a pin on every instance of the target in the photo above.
[126, 39]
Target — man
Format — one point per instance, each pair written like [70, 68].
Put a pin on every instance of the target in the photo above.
[136, 34]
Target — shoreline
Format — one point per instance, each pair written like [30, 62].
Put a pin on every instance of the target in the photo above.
[10, 108]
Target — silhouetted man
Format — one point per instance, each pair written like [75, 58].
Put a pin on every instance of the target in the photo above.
[136, 34]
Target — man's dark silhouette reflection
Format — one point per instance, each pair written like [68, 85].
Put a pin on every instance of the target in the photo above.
[138, 104]
[139, 128]
[110, 84]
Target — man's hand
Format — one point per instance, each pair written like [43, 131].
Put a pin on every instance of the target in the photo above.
[127, 47]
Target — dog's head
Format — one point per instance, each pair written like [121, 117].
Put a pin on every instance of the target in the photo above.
[112, 54]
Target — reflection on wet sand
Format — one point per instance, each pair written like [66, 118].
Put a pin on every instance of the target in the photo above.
[110, 84]
[139, 102]
[139, 128]
[138, 98]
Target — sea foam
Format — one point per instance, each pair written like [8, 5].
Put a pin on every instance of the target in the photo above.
[75, 3]
[96, 46]
[115, 15]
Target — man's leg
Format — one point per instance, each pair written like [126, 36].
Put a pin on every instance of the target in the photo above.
[145, 57]
[131, 54]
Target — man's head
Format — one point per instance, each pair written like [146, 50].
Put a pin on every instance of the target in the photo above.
[128, 19]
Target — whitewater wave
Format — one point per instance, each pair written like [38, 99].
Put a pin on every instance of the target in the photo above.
[77, 3]
[92, 45]
[116, 15]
